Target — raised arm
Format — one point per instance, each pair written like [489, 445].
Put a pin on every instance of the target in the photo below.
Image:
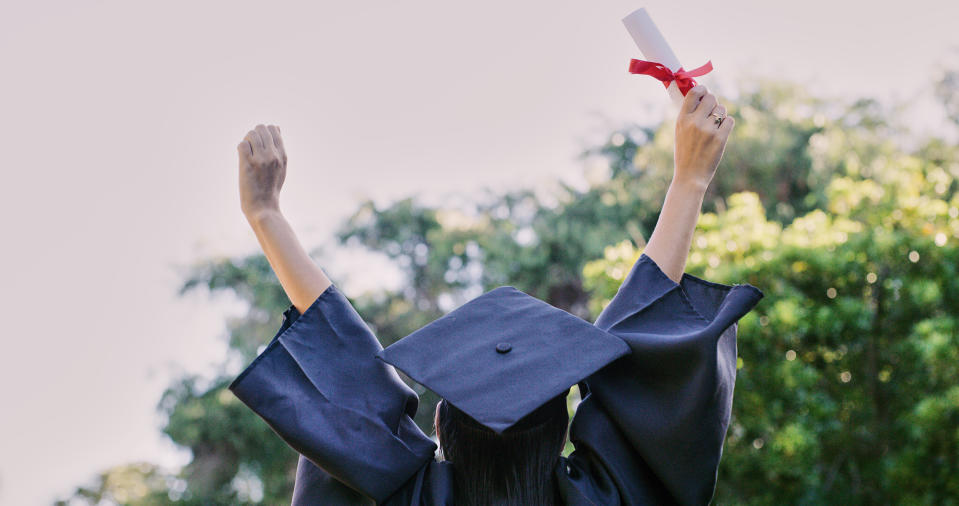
[699, 147]
[262, 172]
[318, 383]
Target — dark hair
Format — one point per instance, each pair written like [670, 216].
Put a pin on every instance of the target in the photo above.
[514, 467]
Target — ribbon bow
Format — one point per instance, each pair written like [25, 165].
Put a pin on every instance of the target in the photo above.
[684, 78]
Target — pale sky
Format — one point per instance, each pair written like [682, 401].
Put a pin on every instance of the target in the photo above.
[118, 127]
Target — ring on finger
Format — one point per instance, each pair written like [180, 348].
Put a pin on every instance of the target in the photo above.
[719, 117]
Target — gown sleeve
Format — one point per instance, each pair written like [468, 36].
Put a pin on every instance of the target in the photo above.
[320, 388]
[651, 426]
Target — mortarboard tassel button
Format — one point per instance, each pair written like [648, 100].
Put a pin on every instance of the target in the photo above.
[503, 348]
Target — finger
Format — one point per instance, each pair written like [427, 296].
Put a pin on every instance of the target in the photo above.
[693, 96]
[718, 110]
[727, 126]
[724, 129]
[277, 139]
[245, 148]
[254, 139]
[265, 136]
[706, 105]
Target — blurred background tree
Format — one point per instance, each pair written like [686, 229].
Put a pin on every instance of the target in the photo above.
[848, 368]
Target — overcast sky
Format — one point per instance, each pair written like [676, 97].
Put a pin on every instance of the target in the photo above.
[118, 127]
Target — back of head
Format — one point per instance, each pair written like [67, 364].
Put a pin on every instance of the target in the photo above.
[510, 468]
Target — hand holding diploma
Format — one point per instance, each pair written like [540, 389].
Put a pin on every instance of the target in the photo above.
[702, 127]
[700, 143]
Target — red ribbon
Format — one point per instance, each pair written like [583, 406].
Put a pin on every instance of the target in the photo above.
[684, 78]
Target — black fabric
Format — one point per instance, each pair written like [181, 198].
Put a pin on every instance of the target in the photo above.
[649, 430]
[320, 388]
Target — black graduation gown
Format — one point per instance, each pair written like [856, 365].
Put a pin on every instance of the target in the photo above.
[650, 428]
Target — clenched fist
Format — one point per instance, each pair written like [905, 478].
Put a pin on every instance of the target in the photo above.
[700, 142]
[262, 169]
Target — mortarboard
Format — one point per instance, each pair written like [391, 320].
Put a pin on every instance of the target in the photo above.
[503, 354]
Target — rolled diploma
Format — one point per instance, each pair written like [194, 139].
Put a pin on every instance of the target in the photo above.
[651, 43]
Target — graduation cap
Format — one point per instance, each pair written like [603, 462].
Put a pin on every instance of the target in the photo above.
[503, 355]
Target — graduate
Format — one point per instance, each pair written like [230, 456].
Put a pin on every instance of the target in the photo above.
[656, 370]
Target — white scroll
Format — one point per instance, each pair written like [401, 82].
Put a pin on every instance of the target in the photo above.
[653, 45]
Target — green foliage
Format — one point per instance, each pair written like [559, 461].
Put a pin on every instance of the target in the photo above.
[847, 369]
[137, 483]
